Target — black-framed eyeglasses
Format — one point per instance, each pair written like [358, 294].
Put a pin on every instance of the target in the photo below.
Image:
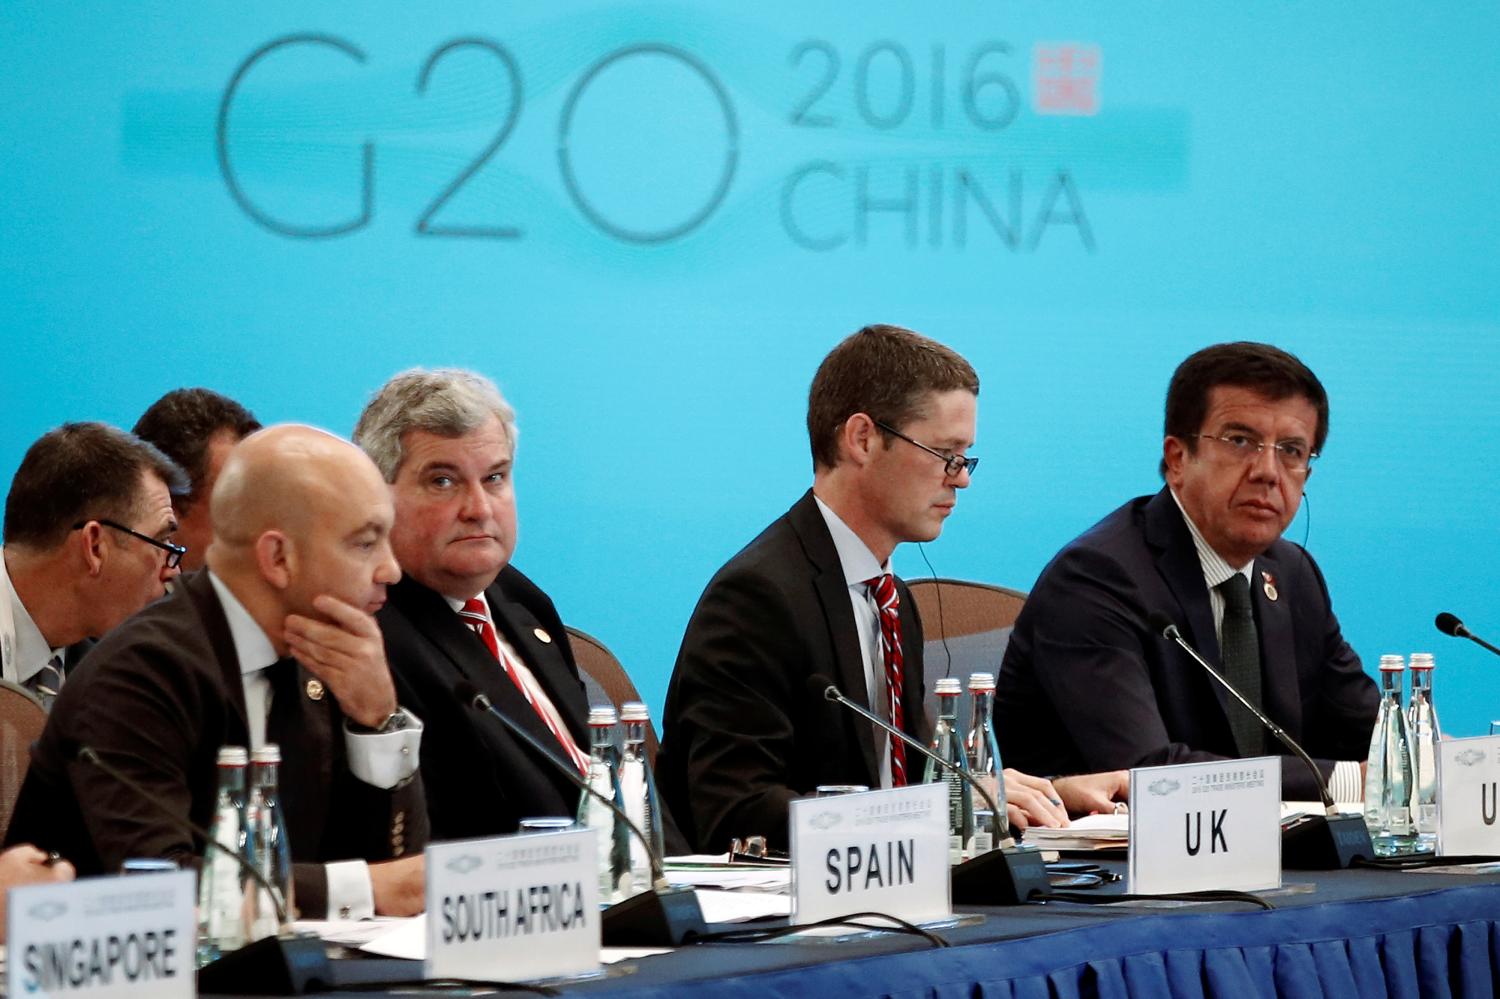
[174, 551]
[952, 463]
[1294, 456]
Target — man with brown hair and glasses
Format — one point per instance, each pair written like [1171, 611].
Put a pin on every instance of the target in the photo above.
[1088, 683]
[88, 542]
[890, 416]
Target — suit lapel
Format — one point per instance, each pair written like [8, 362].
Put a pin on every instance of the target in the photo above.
[833, 594]
[523, 632]
[1278, 655]
[431, 615]
[199, 589]
[1177, 563]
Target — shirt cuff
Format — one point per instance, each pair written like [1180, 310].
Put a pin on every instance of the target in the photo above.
[1345, 784]
[384, 759]
[350, 895]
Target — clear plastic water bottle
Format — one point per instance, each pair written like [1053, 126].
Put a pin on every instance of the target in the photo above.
[947, 742]
[638, 787]
[267, 839]
[221, 889]
[1422, 724]
[984, 760]
[1388, 775]
[604, 777]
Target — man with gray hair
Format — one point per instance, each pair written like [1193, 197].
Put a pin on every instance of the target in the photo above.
[445, 441]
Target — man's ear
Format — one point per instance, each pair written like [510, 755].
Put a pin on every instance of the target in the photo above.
[276, 558]
[90, 547]
[1174, 454]
[858, 438]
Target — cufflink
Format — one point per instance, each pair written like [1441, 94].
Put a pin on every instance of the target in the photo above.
[542, 636]
[315, 690]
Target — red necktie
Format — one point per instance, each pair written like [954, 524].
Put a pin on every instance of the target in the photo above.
[883, 589]
[475, 615]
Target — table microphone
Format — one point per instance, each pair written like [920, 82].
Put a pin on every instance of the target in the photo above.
[289, 963]
[1330, 841]
[1005, 875]
[1450, 625]
[660, 917]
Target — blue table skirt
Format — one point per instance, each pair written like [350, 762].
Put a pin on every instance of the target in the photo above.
[1435, 944]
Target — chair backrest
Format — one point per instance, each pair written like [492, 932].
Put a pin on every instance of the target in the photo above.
[22, 719]
[965, 623]
[606, 680]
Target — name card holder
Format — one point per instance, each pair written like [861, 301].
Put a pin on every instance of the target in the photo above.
[513, 908]
[1206, 826]
[104, 938]
[877, 851]
[1469, 796]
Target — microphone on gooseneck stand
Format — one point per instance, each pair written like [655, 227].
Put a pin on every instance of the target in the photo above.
[1005, 875]
[1450, 625]
[661, 917]
[1330, 841]
[289, 963]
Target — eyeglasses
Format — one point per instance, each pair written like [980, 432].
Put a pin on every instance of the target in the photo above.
[174, 552]
[1294, 456]
[952, 463]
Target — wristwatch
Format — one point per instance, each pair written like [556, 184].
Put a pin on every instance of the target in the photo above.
[394, 722]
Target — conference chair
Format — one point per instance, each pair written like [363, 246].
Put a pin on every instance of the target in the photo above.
[22, 719]
[965, 627]
[606, 680]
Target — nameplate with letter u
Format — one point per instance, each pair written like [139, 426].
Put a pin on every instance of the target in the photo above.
[513, 908]
[1206, 826]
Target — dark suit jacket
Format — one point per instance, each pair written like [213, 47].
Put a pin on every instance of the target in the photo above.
[742, 734]
[480, 780]
[156, 698]
[1086, 686]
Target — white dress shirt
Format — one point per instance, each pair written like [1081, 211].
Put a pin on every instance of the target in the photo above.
[1345, 783]
[23, 649]
[859, 564]
[381, 759]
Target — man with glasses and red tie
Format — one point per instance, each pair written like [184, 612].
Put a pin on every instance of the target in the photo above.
[890, 416]
[445, 442]
[1088, 683]
[88, 542]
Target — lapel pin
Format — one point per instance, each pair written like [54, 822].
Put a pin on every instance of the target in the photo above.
[1270, 585]
[315, 690]
[542, 636]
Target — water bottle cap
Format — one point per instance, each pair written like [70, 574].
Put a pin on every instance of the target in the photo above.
[233, 756]
[269, 753]
[602, 716]
[1422, 660]
[1392, 664]
[948, 685]
[981, 681]
[634, 711]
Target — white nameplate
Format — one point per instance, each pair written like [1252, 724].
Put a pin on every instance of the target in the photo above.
[114, 937]
[1203, 826]
[879, 851]
[514, 907]
[1468, 782]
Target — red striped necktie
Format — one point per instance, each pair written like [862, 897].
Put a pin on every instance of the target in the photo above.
[883, 589]
[476, 616]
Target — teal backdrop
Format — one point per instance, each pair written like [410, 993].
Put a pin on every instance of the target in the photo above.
[649, 222]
